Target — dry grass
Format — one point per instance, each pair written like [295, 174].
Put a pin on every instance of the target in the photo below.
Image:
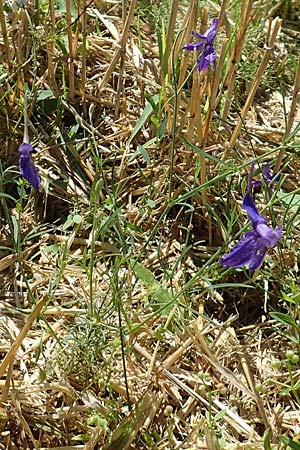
[118, 328]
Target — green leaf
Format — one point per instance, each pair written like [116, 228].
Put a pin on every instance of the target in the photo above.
[3, 76]
[42, 95]
[162, 130]
[162, 301]
[291, 200]
[77, 218]
[8, 249]
[207, 155]
[297, 386]
[290, 298]
[151, 203]
[144, 117]
[53, 248]
[141, 149]
[61, 7]
[84, 437]
[68, 223]
[2, 194]
[161, 296]
[267, 440]
[152, 100]
[62, 42]
[293, 444]
[144, 275]
[96, 420]
[15, 229]
[47, 100]
[73, 130]
[286, 391]
[96, 191]
[220, 415]
[155, 120]
[285, 319]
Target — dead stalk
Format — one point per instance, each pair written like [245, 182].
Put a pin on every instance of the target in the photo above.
[122, 65]
[274, 27]
[122, 45]
[236, 54]
[83, 55]
[292, 113]
[189, 24]
[169, 38]
[51, 48]
[4, 34]
[14, 348]
[71, 75]
[213, 100]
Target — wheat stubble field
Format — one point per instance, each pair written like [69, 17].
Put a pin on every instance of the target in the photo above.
[149, 228]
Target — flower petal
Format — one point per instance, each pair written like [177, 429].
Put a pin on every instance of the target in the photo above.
[201, 37]
[269, 179]
[27, 167]
[204, 40]
[255, 183]
[267, 174]
[251, 182]
[25, 148]
[206, 58]
[254, 215]
[194, 46]
[269, 236]
[248, 251]
[257, 258]
[211, 33]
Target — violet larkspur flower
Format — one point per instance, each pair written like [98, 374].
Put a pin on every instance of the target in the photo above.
[269, 179]
[205, 46]
[253, 246]
[27, 168]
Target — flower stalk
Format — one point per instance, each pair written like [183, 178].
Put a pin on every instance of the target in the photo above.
[26, 165]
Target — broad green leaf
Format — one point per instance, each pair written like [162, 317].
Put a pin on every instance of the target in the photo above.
[141, 149]
[287, 441]
[77, 218]
[291, 200]
[151, 203]
[15, 229]
[285, 319]
[160, 294]
[2, 194]
[144, 275]
[61, 6]
[144, 117]
[53, 248]
[84, 437]
[267, 440]
[42, 95]
[162, 130]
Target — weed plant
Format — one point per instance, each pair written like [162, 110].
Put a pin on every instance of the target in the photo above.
[146, 130]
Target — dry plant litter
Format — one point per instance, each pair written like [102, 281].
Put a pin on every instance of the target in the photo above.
[119, 327]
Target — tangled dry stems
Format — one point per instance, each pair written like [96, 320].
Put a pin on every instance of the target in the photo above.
[186, 373]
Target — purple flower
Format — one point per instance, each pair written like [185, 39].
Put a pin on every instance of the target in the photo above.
[253, 246]
[269, 179]
[205, 46]
[27, 168]
[267, 174]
